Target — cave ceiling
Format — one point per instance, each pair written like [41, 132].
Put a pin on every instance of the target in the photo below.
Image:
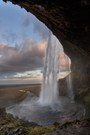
[68, 19]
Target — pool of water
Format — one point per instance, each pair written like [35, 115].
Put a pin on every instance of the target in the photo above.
[29, 109]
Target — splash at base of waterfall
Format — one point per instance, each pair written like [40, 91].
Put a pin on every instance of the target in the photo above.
[31, 111]
[49, 93]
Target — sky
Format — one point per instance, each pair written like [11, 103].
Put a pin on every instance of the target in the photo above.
[23, 39]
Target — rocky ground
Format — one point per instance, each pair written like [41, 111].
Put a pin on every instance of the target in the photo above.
[15, 126]
[73, 128]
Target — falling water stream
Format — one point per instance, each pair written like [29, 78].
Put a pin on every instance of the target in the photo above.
[49, 91]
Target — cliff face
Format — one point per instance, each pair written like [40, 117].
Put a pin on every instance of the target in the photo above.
[69, 21]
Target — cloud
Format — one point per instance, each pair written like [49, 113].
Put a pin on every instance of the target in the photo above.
[41, 29]
[9, 37]
[29, 55]
[38, 26]
[27, 21]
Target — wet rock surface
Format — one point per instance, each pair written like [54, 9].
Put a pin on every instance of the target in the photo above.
[76, 128]
[15, 126]
[16, 131]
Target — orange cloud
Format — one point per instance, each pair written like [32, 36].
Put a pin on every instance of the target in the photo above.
[2, 45]
[41, 48]
[63, 59]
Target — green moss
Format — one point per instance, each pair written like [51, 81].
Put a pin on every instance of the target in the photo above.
[38, 130]
[87, 99]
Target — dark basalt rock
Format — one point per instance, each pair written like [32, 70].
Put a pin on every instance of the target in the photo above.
[2, 112]
[16, 131]
[73, 128]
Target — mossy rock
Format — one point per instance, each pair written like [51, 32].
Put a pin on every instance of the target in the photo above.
[38, 130]
[87, 99]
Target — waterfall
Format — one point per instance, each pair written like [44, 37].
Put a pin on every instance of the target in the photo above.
[69, 82]
[70, 88]
[49, 90]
